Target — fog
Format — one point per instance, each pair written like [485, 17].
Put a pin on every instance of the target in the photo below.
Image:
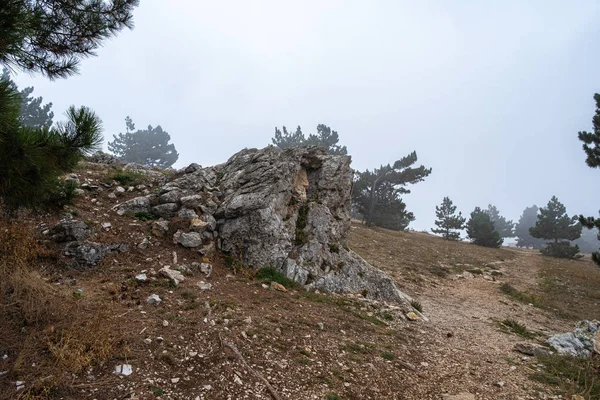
[491, 96]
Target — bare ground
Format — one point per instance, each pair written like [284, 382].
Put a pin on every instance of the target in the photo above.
[306, 345]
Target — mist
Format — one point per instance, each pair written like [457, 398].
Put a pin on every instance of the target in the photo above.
[491, 97]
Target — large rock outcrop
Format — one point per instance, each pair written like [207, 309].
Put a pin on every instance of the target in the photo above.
[270, 208]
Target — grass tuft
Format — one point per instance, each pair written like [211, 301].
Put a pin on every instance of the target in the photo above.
[417, 306]
[571, 375]
[270, 274]
[517, 328]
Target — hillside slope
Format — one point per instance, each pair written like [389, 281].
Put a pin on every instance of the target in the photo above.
[66, 329]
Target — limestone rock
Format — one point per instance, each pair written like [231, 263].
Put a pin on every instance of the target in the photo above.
[88, 254]
[160, 228]
[187, 239]
[166, 210]
[133, 206]
[69, 230]
[581, 342]
[175, 276]
[531, 349]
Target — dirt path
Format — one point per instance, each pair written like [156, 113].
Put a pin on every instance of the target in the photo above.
[463, 345]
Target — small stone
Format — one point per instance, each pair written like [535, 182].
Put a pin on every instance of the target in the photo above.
[119, 190]
[278, 287]
[193, 353]
[144, 244]
[175, 276]
[321, 325]
[106, 226]
[500, 383]
[425, 364]
[141, 277]
[20, 385]
[148, 341]
[248, 320]
[112, 196]
[153, 299]
[265, 286]
[165, 323]
[204, 286]
[124, 369]
[237, 380]
[206, 269]
[412, 316]
[175, 380]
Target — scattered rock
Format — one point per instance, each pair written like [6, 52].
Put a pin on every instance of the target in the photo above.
[106, 226]
[321, 325]
[124, 369]
[174, 380]
[175, 276]
[148, 341]
[69, 230]
[187, 239]
[531, 349]
[165, 323]
[187, 213]
[88, 254]
[144, 244]
[103, 158]
[278, 286]
[141, 277]
[133, 206]
[119, 190]
[204, 286]
[160, 228]
[167, 210]
[581, 342]
[206, 269]
[20, 385]
[500, 384]
[154, 299]
[412, 316]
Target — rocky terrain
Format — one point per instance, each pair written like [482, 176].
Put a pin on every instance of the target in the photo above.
[165, 284]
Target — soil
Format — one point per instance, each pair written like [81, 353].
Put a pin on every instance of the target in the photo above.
[306, 345]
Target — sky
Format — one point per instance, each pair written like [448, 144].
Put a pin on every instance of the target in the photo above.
[490, 95]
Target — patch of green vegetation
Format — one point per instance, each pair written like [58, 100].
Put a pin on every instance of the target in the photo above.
[523, 297]
[270, 274]
[334, 248]
[304, 361]
[387, 356]
[358, 348]
[128, 178]
[332, 396]
[517, 328]
[571, 375]
[145, 216]
[386, 316]
[156, 391]
[475, 271]
[305, 353]
[301, 235]
[417, 306]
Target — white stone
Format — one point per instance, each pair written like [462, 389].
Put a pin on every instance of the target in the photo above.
[124, 369]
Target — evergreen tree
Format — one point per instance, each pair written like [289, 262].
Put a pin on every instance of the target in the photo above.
[148, 147]
[52, 36]
[33, 113]
[325, 137]
[591, 147]
[374, 190]
[447, 220]
[554, 224]
[34, 158]
[286, 139]
[480, 229]
[528, 220]
[501, 225]
[390, 212]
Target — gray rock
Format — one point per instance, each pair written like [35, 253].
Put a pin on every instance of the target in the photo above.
[187, 239]
[172, 196]
[154, 299]
[103, 158]
[174, 276]
[145, 243]
[187, 213]
[193, 167]
[69, 230]
[531, 349]
[160, 228]
[88, 254]
[133, 206]
[167, 210]
[119, 190]
[289, 209]
[206, 269]
[581, 342]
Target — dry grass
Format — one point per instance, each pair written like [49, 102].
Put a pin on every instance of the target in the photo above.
[34, 330]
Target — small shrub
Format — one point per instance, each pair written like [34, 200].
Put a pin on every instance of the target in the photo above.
[417, 306]
[157, 391]
[517, 328]
[271, 274]
[387, 316]
[332, 396]
[387, 356]
[305, 353]
[523, 297]
[128, 178]
[145, 216]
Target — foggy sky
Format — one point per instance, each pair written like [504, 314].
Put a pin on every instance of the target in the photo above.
[491, 96]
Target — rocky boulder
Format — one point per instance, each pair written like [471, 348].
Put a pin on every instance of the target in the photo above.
[68, 230]
[285, 209]
[581, 342]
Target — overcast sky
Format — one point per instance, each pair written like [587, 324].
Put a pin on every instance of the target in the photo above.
[490, 94]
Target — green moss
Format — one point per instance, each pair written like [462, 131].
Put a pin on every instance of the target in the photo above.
[301, 235]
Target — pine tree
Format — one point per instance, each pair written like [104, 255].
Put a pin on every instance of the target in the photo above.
[385, 182]
[32, 112]
[480, 229]
[52, 36]
[148, 147]
[325, 137]
[390, 212]
[33, 158]
[501, 225]
[554, 224]
[526, 221]
[447, 220]
[591, 147]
